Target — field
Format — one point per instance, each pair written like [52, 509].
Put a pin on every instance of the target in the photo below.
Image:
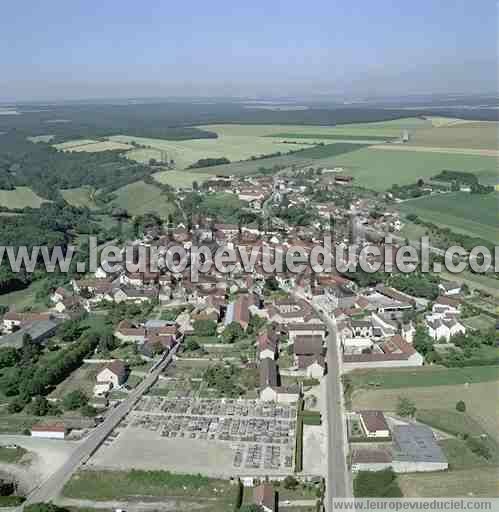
[109, 485]
[423, 377]
[234, 146]
[470, 482]
[180, 179]
[379, 169]
[438, 149]
[92, 146]
[470, 214]
[480, 398]
[139, 198]
[11, 455]
[473, 135]
[20, 197]
[80, 197]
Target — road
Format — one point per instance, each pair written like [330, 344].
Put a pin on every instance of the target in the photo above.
[338, 484]
[338, 480]
[51, 488]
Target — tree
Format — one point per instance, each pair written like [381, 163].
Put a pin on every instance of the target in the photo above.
[232, 332]
[422, 341]
[39, 406]
[205, 327]
[461, 406]
[88, 411]
[44, 507]
[405, 407]
[8, 357]
[290, 482]
[74, 400]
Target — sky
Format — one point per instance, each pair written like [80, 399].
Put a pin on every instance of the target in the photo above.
[76, 49]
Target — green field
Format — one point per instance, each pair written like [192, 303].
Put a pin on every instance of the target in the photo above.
[470, 214]
[80, 197]
[109, 485]
[180, 179]
[139, 198]
[379, 169]
[329, 137]
[20, 197]
[422, 377]
[478, 482]
[11, 455]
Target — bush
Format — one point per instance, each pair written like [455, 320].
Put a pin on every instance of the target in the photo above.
[290, 482]
[405, 407]
[461, 406]
[74, 400]
[376, 484]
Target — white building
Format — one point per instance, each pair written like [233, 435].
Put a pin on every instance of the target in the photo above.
[54, 431]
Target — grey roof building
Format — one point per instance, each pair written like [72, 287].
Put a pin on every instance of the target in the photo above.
[415, 449]
[39, 332]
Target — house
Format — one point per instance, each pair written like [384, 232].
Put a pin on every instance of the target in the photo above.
[127, 331]
[374, 424]
[12, 320]
[369, 459]
[265, 497]
[449, 288]
[114, 373]
[59, 295]
[392, 353]
[444, 328]
[267, 342]
[309, 356]
[138, 296]
[268, 380]
[238, 312]
[49, 431]
[302, 329]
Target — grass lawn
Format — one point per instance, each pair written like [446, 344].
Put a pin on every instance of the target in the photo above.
[21, 299]
[379, 169]
[20, 197]
[459, 455]
[480, 322]
[139, 198]
[470, 214]
[109, 485]
[11, 455]
[180, 179]
[478, 482]
[84, 379]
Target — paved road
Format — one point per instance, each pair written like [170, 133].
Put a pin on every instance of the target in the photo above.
[339, 484]
[50, 489]
[338, 481]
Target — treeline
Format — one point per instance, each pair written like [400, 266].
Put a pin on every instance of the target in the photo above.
[47, 170]
[209, 162]
[33, 376]
[53, 224]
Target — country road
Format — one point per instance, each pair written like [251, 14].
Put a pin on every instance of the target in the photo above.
[51, 488]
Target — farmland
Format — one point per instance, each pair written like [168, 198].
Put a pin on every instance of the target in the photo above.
[92, 146]
[235, 147]
[139, 198]
[20, 197]
[470, 214]
[480, 399]
[470, 482]
[379, 169]
[180, 178]
[473, 135]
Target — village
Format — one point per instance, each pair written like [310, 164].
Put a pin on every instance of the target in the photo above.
[244, 394]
